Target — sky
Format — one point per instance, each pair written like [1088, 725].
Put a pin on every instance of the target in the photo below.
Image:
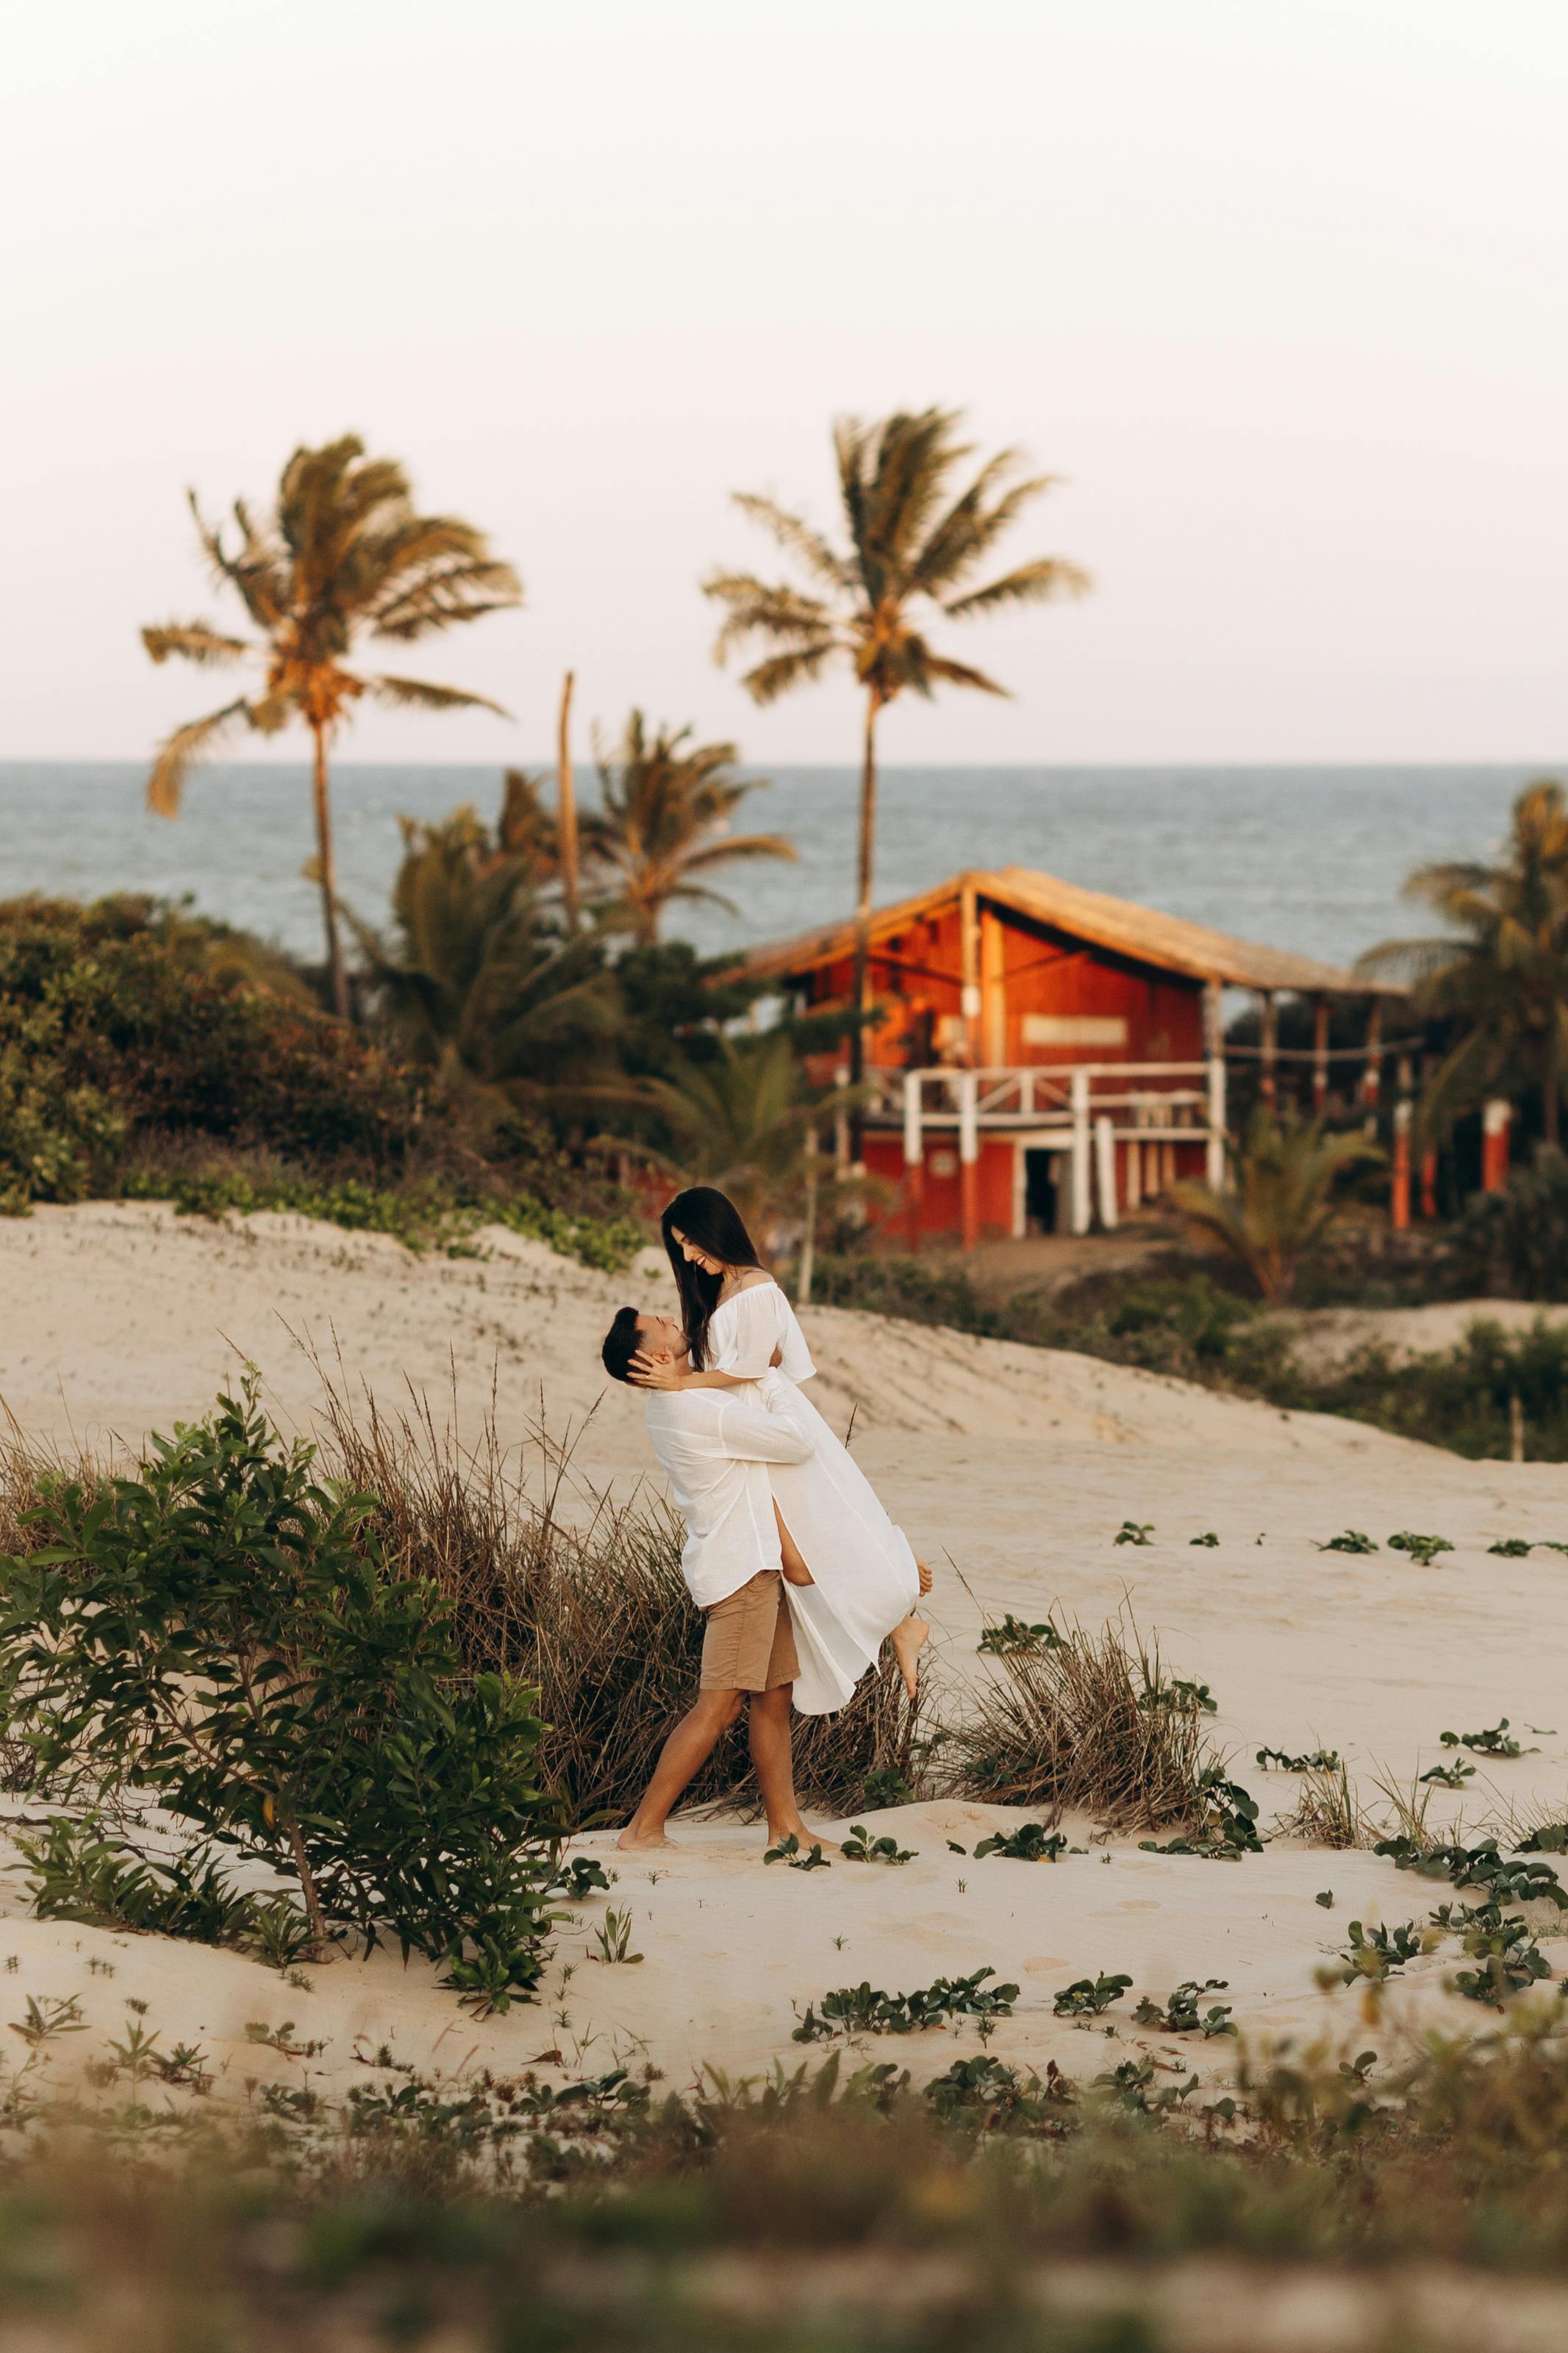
[1275, 287]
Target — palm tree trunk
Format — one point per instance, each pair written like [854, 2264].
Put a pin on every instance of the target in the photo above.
[326, 865]
[863, 924]
[566, 806]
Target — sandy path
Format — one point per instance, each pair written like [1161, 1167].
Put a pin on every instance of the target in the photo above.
[1017, 1464]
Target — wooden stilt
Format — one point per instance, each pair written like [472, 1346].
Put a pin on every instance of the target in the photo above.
[1430, 1181]
[969, 1156]
[1320, 1056]
[1495, 1118]
[1372, 1075]
[1267, 1084]
[1399, 1195]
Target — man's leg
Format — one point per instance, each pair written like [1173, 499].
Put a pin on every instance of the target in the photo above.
[768, 1737]
[689, 1745]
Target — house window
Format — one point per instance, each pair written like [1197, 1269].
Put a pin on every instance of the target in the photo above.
[1074, 1029]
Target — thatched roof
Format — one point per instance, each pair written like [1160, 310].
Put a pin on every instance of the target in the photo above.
[1166, 942]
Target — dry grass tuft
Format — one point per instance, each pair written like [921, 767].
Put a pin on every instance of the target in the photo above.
[1328, 1812]
[1080, 1726]
[583, 1593]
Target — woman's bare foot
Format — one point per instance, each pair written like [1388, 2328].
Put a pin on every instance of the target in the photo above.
[909, 1638]
[635, 1841]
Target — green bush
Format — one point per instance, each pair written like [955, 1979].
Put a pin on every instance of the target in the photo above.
[221, 1630]
[108, 1030]
[1520, 1236]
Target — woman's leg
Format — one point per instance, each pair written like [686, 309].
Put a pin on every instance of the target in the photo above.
[794, 1568]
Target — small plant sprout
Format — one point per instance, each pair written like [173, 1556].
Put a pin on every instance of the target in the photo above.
[613, 1937]
[1325, 1896]
[278, 2038]
[1180, 2012]
[1031, 1842]
[1086, 1996]
[863, 2010]
[861, 1847]
[1179, 1693]
[1378, 1953]
[54, 2015]
[1209, 1538]
[954, 1846]
[1449, 1776]
[1506, 1956]
[1348, 1540]
[788, 1850]
[582, 1876]
[1422, 1549]
[1134, 1532]
[1511, 1548]
[1013, 1637]
[1495, 1741]
[1318, 1760]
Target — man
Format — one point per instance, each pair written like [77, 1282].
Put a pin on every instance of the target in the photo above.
[715, 1446]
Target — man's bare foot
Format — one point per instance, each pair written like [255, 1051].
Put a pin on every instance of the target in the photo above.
[808, 1839]
[909, 1638]
[636, 1841]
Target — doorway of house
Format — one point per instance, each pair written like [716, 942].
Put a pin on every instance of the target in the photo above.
[1044, 1199]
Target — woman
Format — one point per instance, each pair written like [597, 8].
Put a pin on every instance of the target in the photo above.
[853, 1578]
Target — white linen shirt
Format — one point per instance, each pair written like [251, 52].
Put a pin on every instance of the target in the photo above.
[715, 1446]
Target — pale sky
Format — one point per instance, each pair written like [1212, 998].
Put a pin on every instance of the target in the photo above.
[1275, 285]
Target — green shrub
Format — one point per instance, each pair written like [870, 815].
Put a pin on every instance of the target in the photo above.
[220, 1630]
[1520, 1236]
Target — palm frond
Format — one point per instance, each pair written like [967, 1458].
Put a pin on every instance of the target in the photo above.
[193, 641]
[954, 673]
[798, 538]
[1031, 584]
[763, 609]
[779, 672]
[179, 753]
[739, 845]
[423, 694]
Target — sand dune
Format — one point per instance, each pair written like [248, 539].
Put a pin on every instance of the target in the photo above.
[1013, 1466]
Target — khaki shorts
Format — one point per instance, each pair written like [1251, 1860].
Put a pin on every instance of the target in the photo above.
[749, 1644]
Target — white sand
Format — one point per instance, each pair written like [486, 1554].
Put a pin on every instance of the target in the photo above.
[1017, 1466]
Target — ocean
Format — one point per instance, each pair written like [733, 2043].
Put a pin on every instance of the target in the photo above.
[1302, 858]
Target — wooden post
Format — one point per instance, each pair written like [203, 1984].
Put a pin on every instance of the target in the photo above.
[993, 989]
[1267, 1083]
[1078, 1098]
[1214, 1048]
[1430, 1181]
[1105, 1170]
[841, 1128]
[808, 1239]
[969, 1155]
[914, 1156]
[1371, 1075]
[1399, 1193]
[1320, 1056]
[969, 942]
[1495, 1116]
[567, 805]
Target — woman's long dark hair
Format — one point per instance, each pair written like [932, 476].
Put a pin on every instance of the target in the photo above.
[710, 1220]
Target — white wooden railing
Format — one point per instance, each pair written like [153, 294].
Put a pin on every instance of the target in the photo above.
[1083, 1109]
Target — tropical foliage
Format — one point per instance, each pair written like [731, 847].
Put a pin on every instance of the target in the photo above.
[665, 824]
[480, 980]
[913, 548]
[740, 1120]
[344, 557]
[1499, 975]
[1284, 1174]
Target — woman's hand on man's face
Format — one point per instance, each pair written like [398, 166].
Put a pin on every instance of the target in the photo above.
[645, 1372]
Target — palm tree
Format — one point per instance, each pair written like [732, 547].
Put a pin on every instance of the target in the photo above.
[667, 808]
[741, 1121]
[481, 982]
[1501, 975]
[1282, 1198]
[913, 548]
[344, 557]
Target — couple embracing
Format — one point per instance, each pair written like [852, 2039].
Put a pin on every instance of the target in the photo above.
[800, 1574]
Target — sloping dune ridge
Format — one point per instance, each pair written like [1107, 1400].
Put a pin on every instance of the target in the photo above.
[1012, 1469]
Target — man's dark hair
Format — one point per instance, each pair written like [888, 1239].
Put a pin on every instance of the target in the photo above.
[621, 1343]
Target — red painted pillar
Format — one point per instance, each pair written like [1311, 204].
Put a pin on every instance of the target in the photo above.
[914, 1199]
[969, 1156]
[1430, 1181]
[1399, 1198]
[1495, 1116]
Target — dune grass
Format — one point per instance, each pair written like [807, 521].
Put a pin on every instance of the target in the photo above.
[582, 1592]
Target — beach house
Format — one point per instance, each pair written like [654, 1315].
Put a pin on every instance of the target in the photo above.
[1044, 1056]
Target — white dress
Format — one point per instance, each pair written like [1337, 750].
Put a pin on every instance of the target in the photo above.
[865, 1575]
